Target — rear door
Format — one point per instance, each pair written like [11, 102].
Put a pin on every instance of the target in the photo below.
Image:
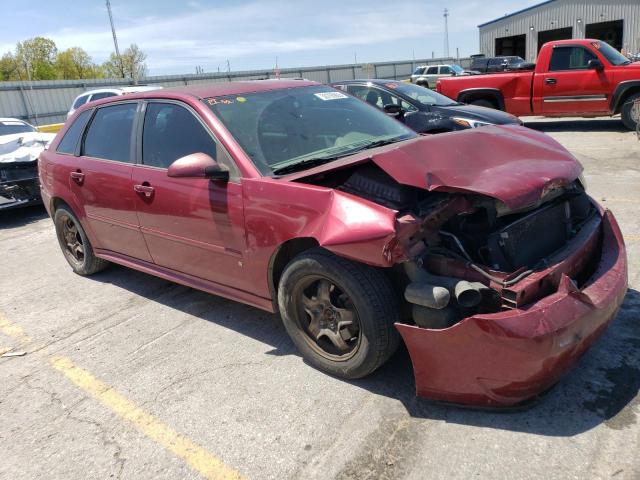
[570, 86]
[191, 225]
[102, 182]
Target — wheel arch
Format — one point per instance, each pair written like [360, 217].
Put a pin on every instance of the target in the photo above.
[493, 95]
[282, 255]
[623, 91]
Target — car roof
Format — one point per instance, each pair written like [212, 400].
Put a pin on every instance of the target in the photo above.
[123, 89]
[216, 89]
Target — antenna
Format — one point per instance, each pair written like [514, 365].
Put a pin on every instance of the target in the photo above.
[115, 38]
[446, 33]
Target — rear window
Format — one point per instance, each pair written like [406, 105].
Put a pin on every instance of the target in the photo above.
[432, 71]
[109, 135]
[69, 142]
[419, 70]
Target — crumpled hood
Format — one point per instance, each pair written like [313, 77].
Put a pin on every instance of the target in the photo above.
[513, 164]
[23, 147]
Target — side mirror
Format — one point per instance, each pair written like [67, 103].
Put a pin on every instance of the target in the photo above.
[198, 165]
[393, 110]
[595, 65]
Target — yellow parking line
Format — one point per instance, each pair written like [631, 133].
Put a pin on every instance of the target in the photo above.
[631, 238]
[12, 330]
[195, 456]
[199, 459]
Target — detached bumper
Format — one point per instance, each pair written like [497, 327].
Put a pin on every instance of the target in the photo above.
[505, 358]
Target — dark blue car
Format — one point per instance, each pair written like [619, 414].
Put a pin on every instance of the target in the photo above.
[422, 109]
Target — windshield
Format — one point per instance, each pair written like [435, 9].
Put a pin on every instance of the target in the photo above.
[281, 128]
[457, 68]
[422, 95]
[611, 54]
[9, 127]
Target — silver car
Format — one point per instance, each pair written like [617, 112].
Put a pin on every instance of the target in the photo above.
[428, 75]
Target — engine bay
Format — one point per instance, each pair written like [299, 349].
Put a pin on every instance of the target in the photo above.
[466, 252]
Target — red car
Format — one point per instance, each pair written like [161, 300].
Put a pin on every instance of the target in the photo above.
[572, 78]
[479, 248]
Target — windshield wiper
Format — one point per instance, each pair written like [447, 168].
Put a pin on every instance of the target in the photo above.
[314, 162]
[304, 164]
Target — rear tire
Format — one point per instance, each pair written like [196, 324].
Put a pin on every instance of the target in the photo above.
[75, 245]
[628, 115]
[484, 103]
[356, 296]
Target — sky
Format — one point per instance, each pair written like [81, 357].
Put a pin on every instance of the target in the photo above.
[179, 36]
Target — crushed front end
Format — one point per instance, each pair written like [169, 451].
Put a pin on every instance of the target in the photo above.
[19, 185]
[500, 303]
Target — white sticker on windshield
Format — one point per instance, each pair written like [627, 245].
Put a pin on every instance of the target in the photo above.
[330, 95]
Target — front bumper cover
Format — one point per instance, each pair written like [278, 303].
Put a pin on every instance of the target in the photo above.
[506, 358]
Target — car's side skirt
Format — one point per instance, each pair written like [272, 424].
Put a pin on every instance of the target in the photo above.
[575, 98]
[187, 280]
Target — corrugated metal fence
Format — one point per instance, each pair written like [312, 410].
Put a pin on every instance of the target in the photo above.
[48, 101]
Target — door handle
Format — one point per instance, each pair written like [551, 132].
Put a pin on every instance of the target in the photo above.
[77, 177]
[145, 190]
[550, 81]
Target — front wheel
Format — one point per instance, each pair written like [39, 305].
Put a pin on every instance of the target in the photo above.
[630, 112]
[75, 245]
[339, 314]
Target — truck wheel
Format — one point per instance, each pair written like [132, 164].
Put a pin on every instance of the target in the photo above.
[484, 103]
[75, 244]
[339, 314]
[629, 114]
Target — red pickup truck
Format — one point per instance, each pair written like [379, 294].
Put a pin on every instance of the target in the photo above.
[582, 78]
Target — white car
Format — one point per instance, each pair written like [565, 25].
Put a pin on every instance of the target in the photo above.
[97, 94]
[20, 146]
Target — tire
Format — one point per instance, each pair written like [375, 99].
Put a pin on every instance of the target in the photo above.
[359, 289]
[80, 254]
[627, 114]
[484, 103]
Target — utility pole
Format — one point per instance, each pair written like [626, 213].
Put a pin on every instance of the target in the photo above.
[115, 38]
[446, 33]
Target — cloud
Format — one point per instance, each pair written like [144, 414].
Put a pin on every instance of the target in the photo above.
[211, 35]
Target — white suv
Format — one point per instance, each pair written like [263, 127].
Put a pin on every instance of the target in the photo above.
[428, 75]
[99, 93]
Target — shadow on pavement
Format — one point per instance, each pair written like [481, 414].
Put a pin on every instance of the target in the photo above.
[19, 217]
[579, 125]
[601, 388]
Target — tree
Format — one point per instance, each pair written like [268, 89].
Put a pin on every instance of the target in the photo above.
[74, 63]
[35, 58]
[131, 64]
[8, 67]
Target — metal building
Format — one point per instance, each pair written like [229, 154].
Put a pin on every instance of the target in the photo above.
[522, 33]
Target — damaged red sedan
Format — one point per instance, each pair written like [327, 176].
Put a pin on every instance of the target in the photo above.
[479, 249]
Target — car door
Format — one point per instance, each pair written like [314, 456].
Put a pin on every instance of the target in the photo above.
[570, 86]
[102, 182]
[191, 225]
[430, 76]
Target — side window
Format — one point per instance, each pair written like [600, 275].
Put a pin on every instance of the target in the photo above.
[570, 58]
[70, 140]
[109, 134]
[81, 100]
[171, 132]
[377, 97]
[432, 71]
[101, 95]
[419, 71]
[445, 70]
